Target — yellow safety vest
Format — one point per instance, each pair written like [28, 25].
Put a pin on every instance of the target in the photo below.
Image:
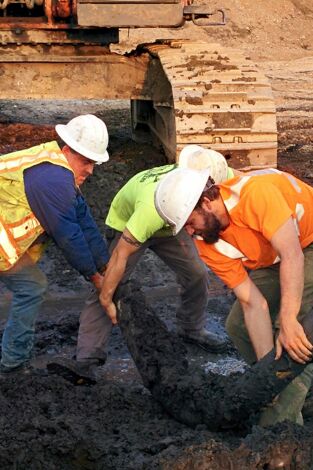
[19, 227]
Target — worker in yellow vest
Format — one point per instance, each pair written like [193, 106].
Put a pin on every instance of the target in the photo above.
[40, 199]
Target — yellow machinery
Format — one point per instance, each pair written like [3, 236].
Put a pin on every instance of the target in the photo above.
[180, 91]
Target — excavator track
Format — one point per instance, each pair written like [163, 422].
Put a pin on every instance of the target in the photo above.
[182, 91]
[215, 97]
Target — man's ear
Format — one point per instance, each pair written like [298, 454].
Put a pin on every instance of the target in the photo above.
[206, 204]
[66, 150]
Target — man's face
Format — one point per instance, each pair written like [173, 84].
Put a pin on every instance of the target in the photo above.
[81, 166]
[205, 224]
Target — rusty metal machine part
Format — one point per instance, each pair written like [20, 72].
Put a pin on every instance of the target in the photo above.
[182, 91]
[73, 14]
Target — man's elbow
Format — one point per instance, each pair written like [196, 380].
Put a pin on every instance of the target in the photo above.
[252, 304]
[294, 257]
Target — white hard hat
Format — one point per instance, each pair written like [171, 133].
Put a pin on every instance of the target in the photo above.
[87, 135]
[177, 194]
[198, 158]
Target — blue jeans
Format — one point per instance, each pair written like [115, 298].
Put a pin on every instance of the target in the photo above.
[28, 285]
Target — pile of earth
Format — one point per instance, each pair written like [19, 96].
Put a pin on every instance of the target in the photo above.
[47, 424]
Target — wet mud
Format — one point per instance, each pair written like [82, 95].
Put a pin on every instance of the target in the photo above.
[188, 393]
[47, 424]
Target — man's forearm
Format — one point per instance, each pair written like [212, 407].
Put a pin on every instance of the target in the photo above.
[259, 326]
[291, 284]
[113, 275]
[257, 317]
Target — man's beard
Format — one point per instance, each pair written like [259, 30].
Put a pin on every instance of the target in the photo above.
[213, 227]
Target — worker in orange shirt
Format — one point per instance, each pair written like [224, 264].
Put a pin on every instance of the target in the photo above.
[255, 231]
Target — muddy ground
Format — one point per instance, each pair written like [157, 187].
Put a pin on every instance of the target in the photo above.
[47, 424]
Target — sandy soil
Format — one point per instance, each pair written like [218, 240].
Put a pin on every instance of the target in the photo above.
[48, 424]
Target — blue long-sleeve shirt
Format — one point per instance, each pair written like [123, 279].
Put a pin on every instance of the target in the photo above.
[65, 216]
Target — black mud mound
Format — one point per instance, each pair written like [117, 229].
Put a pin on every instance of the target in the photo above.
[187, 393]
[48, 424]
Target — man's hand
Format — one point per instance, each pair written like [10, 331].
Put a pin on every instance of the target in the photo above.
[291, 336]
[97, 280]
[293, 339]
[126, 246]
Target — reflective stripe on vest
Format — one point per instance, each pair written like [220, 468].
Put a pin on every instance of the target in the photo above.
[23, 228]
[17, 163]
[229, 250]
[8, 248]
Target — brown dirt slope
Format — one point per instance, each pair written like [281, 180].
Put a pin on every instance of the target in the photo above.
[267, 29]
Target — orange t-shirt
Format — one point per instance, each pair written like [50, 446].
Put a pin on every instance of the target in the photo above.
[258, 203]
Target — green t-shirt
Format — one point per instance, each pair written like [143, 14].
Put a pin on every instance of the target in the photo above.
[230, 173]
[133, 206]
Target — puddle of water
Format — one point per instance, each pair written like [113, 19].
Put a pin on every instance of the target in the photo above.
[225, 366]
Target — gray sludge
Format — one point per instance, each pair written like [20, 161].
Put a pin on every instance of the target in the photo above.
[191, 395]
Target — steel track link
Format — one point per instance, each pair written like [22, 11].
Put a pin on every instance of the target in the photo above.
[220, 100]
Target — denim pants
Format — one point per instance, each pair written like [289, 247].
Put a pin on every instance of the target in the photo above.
[181, 255]
[289, 403]
[28, 285]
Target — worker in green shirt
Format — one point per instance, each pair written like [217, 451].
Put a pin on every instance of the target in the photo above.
[134, 224]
